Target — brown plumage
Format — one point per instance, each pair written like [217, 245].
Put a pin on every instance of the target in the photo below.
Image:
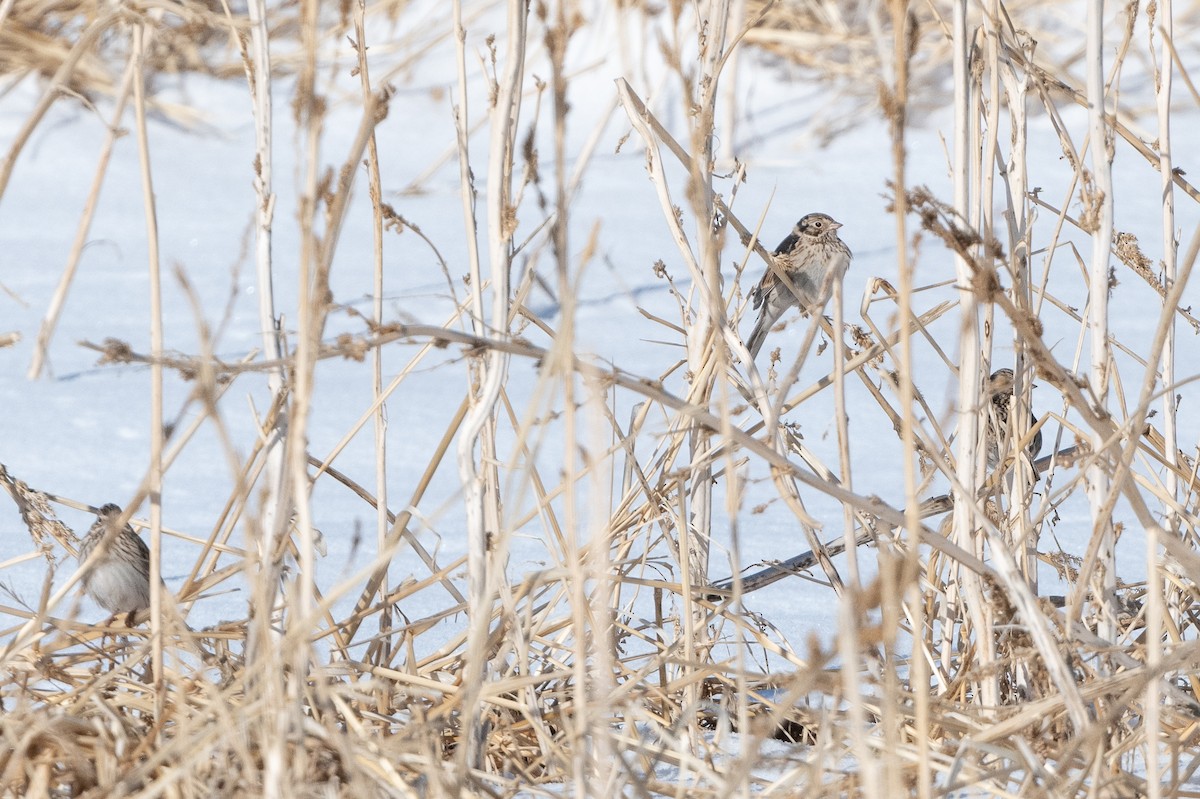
[813, 258]
[1000, 392]
[119, 579]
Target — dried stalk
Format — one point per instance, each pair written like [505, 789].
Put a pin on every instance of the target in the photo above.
[1098, 200]
[155, 476]
[482, 522]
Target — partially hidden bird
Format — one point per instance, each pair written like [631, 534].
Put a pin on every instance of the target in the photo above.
[119, 579]
[811, 259]
[999, 411]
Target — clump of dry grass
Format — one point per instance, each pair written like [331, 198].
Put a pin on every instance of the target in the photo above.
[80, 40]
[620, 664]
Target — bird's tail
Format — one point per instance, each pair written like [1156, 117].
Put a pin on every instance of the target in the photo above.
[759, 334]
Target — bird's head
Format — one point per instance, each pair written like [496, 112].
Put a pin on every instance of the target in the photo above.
[109, 511]
[1001, 382]
[817, 225]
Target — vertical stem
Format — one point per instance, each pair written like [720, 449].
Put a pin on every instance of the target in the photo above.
[965, 594]
[991, 135]
[591, 589]
[501, 224]
[729, 86]
[601, 610]
[310, 110]
[375, 190]
[1022, 533]
[969, 335]
[262, 636]
[582, 762]
[703, 342]
[1097, 322]
[919, 664]
[477, 563]
[1156, 595]
[461, 126]
[154, 483]
[1019, 245]
[258, 76]
[292, 661]
[850, 644]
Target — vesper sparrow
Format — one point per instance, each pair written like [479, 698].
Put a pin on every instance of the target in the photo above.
[813, 258]
[1000, 391]
[119, 580]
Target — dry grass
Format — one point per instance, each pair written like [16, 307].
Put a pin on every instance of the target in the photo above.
[621, 667]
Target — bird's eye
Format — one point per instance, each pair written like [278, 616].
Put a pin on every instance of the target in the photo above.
[818, 223]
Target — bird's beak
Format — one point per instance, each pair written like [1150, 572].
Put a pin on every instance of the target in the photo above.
[836, 225]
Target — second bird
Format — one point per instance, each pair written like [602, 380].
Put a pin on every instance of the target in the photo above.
[813, 258]
[1000, 389]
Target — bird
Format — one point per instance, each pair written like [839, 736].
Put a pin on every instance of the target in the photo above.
[813, 258]
[1000, 392]
[119, 579]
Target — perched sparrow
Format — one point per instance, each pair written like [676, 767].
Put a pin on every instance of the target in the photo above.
[119, 579]
[813, 258]
[1000, 391]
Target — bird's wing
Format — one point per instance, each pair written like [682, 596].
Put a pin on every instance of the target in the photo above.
[787, 244]
[764, 287]
[771, 277]
[140, 543]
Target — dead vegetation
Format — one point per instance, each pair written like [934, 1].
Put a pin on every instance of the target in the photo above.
[622, 664]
